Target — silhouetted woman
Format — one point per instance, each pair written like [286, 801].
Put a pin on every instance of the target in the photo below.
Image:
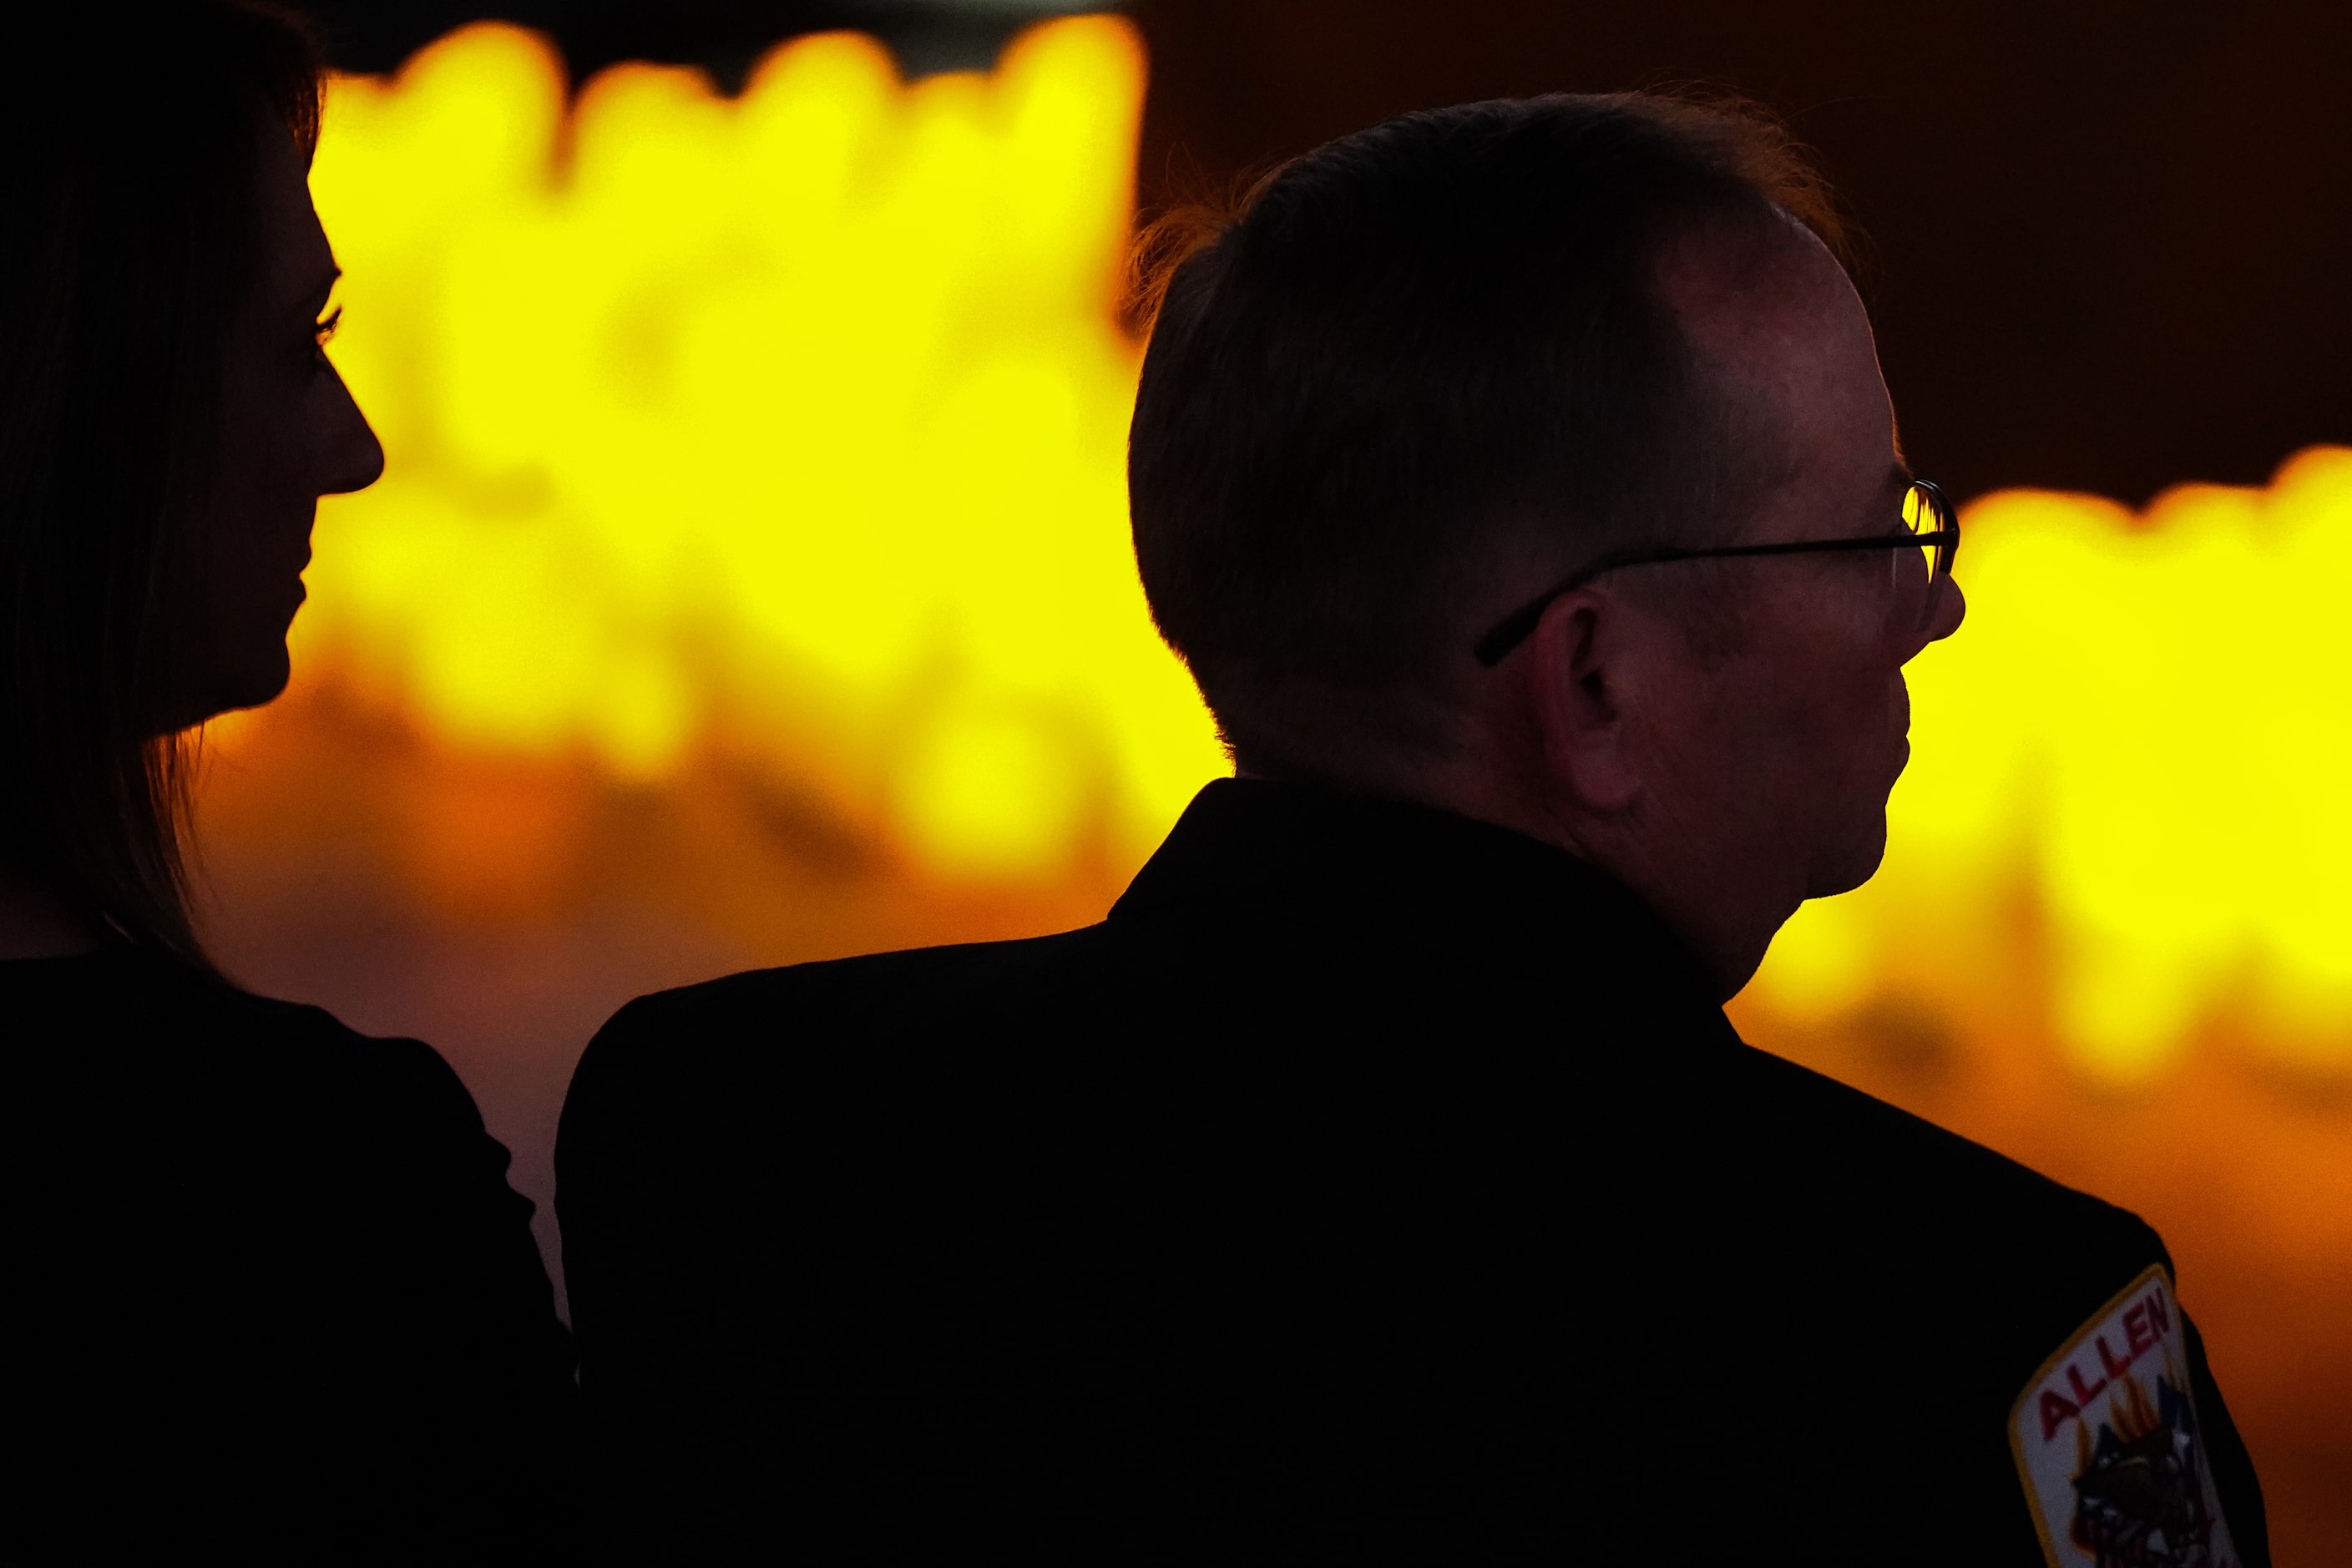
[269, 1296]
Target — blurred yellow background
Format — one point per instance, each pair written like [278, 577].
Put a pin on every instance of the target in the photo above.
[751, 570]
[793, 423]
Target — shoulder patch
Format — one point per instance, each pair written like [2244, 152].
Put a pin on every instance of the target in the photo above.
[2106, 1442]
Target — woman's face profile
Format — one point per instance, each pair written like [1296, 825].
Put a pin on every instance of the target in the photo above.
[289, 434]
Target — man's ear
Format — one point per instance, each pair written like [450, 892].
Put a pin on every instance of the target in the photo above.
[1576, 674]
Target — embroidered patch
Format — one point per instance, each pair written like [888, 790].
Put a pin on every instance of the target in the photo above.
[2107, 1440]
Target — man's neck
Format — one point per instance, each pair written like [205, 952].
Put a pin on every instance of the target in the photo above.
[1705, 893]
[1727, 929]
[35, 924]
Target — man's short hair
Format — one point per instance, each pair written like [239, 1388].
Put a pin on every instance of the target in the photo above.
[1408, 354]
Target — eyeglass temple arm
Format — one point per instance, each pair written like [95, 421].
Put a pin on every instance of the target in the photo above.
[1514, 631]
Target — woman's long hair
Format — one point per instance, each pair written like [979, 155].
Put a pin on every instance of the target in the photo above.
[129, 246]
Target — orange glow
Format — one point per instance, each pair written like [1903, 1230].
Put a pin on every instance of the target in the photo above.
[752, 562]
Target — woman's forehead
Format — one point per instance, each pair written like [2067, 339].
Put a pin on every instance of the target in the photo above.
[296, 261]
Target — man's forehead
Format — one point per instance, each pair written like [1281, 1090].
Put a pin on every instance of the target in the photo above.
[1738, 261]
[1755, 293]
[1776, 328]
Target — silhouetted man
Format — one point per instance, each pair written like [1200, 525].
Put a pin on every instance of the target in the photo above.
[1382, 1182]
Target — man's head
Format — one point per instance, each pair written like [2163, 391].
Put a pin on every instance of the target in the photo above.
[1436, 369]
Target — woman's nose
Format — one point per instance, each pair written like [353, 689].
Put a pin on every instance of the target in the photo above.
[354, 458]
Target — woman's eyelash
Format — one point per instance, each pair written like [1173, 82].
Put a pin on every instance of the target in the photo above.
[323, 330]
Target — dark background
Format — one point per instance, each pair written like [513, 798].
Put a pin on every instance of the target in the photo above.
[2112, 241]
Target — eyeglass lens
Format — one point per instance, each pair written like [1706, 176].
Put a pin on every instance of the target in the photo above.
[1920, 516]
[1924, 511]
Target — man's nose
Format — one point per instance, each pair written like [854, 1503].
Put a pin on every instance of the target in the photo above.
[1949, 612]
[1945, 611]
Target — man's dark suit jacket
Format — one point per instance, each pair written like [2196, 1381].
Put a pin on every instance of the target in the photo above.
[1373, 1186]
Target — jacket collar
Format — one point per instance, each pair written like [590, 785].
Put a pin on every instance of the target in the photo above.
[1255, 852]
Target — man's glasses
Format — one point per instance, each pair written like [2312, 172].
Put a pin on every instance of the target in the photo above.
[1929, 527]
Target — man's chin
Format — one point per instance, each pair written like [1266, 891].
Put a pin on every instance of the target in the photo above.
[1845, 871]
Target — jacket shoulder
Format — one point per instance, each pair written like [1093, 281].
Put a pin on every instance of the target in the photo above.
[870, 994]
[754, 1042]
[1922, 1205]
[200, 1036]
[1914, 1161]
